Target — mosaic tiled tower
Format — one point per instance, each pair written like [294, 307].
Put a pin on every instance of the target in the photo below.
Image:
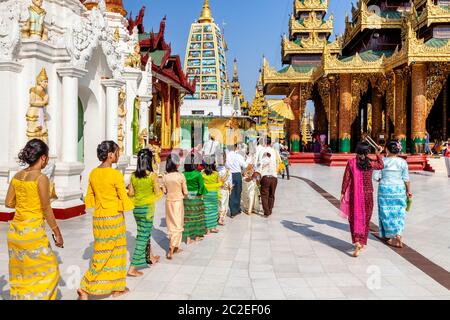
[205, 57]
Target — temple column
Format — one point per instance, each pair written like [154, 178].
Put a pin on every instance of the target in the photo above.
[445, 112]
[132, 78]
[144, 107]
[112, 107]
[333, 124]
[345, 107]
[377, 113]
[68, 170]
[400, 109]
[165, 118]
[419, 106]
[69, 146]
[294, 125]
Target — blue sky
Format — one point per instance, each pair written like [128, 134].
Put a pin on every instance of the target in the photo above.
[253, 28]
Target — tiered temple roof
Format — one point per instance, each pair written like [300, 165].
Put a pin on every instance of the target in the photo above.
[154, 45]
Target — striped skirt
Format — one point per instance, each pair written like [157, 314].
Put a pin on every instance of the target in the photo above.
[391, 210]
[144, 233]
[107, 269]
[194, 217]
[211, 209]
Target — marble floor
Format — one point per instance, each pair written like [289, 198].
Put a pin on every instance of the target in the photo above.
[301, 252]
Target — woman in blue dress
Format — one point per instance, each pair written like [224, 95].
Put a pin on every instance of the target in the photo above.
[393, 192]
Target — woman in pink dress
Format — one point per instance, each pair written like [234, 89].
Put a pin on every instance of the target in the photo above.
[357, 194]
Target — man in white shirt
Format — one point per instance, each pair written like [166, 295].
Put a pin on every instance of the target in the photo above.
[236, 164]
[211, 148]
[267, 164]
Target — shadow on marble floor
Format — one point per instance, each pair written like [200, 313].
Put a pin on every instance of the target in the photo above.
[4, 294]
[330, 223]
[307, 231]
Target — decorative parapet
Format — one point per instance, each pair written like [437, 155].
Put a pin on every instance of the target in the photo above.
[432, 14]
[373, 18]
[272, 76]
[310, 5]
[310, 24]
[312, 45]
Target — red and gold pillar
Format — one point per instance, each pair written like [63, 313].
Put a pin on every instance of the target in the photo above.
[345, 107]
[334, 129]
[400, 109]
[419, 106]
[294, 125]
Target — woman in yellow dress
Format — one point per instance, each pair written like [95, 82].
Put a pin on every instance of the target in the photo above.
[33, 267]
[107, 195]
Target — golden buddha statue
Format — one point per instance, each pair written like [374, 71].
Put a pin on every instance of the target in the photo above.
[36, 116]
[122, 115]
[156, 157]
[35, 26]
[143, 138]
[134, 59]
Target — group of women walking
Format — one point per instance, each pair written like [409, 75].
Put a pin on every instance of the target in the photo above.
[393, 194]
[192, 206]
[196, 204]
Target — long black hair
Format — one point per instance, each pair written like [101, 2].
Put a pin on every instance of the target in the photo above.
[172, 162]
[363, 161]
[104, 148]
[210, 165]
[144, 163]
[190, 163]
[33, 150]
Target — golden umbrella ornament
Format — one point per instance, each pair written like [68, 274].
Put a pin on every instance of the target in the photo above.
[282, 107]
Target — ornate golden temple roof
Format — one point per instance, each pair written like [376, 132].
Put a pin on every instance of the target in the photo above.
[206, 15]
[115, 6]
[308, 5]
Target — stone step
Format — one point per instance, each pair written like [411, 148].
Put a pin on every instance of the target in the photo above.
[438, 165]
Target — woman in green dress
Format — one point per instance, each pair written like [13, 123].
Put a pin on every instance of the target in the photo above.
[194, 210]
[146, 191]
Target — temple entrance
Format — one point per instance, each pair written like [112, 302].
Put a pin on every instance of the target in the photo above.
[438, 119]
[363, 123]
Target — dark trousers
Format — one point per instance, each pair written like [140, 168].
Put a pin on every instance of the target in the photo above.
[286, 172]
[235, 197]
[268, 188]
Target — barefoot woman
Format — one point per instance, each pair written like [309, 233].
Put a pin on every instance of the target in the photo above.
[33, 268]
[146, 191]
[107, 194]
[357, 194]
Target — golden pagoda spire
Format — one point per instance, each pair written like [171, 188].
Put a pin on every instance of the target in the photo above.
[206, 15]
[235, 73]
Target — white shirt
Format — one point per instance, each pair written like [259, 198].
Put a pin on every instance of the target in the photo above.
[235, 162]
[268, 167]
[211, 148]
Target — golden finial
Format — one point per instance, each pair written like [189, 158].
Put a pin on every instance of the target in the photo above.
[235, 68]
[206, 15]
[116, 35]
[42, 76]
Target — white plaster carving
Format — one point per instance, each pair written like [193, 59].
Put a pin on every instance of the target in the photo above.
[9, 29]
[87, 33]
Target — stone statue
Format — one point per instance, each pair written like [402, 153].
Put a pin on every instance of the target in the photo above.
[36, 116]
[134, 59]
[34, 27]
[122, 115]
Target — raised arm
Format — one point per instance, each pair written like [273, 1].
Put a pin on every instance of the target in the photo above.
[378, 164]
